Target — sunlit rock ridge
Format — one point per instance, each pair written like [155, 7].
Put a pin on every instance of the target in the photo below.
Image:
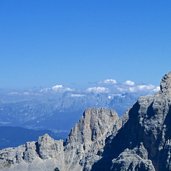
[78, 152]
[101, 141]
[143, 143]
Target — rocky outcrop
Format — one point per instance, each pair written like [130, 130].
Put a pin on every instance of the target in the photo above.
[148, 124]
[134, 160]
[165, 85]
[42, 155]
[81, 149]
[87, 138]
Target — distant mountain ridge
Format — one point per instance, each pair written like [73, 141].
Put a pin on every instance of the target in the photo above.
[43, 108]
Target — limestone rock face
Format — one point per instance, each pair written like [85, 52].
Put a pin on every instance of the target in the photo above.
[42, 155]
[165, 84]
[49, 148]
[87, 138]
[135, 159]
[148, 124]
[82, 148]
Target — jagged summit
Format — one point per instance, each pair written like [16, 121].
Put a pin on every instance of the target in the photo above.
[147, 129]
[86, 139]
[94, 124]
[165, 85]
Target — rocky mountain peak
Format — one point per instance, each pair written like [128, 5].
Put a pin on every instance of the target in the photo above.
[147, 131]
[165, 85]
[45, 138]
[87, 138]
[94, 124]
[80, 151]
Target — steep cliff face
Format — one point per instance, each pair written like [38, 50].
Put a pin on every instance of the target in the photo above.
[87, 138]
[79, 152]
[143, 143]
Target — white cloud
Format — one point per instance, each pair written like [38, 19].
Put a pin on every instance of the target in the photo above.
[98, 90]
[68, 89]
[109, 81]
[127, 86]
[130, 86]
[60, 88]
[57, 87]
[127, 89]
[132, 89]
[129, 83]
[146, 87]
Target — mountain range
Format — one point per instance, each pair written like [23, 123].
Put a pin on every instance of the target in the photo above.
[139, 140]
[42, 108]
[57, 108]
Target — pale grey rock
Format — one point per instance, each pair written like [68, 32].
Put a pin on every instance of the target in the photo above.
[82, 148]
[30, 153]
[148, 123]
[87, 138]
[134, 160]
[165, 85]
[47, 147]
[42, 155]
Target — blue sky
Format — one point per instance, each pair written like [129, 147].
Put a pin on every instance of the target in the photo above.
[43, 42]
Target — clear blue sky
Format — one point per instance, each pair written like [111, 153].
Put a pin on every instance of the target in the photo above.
[43, 42]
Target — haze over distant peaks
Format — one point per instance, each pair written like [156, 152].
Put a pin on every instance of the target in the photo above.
[101, 141]
[106, 86]
[43, 107]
